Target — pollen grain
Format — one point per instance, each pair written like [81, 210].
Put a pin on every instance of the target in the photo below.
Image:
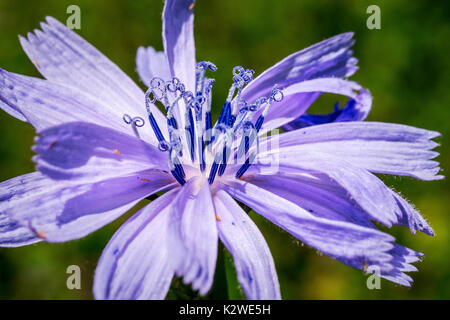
[41, 234]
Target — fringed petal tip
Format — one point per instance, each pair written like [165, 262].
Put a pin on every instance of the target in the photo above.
[358, 246]
[87, 77]
[401, 262]
[408, 216]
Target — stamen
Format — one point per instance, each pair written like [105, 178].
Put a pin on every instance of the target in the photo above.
[245, 166]
[277, 96]
[227, 117]
[199, 130]
[214, 167]
[202, 94]
[189, 123]
[176, 168]
[159, 88]
[235, 115]
[136, 122]
[241, 77]
[218, 145]
[226, 151]
[208, 119]
[248, 133]
[163, 145]
[202, 66]
[158, 91]
[246, 111]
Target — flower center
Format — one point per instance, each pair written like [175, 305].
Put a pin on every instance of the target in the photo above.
[199, 144]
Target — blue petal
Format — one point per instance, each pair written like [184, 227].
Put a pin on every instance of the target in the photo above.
[254, 264]
[331, 58]
[356, 109]
[178, 39]
[151, 63]
[82, 152]
[65, 58]
[348, 242]
[137, 262]
[354, 245]
[59, 211]
[194, 224]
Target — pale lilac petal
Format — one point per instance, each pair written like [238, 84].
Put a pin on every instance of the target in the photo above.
[353, 130]
[178, 39]
[252, 258]
[349, 243]
[194, 224]
[179, 47]
[8, 99]
[13, 234]
[64, 57]
[137, 262]
[83, 152]
[329, 58]
[392, 262]
[59, 211]
[356, 109]
[317, 194]
[376, 146]
[46, 104]
[324, 59]
[325, 198]
[151, 63]
[368, 191]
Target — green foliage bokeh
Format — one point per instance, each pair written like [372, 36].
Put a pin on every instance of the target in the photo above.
[405, 65]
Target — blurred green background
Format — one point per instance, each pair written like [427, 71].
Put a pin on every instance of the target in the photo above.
[406, 66]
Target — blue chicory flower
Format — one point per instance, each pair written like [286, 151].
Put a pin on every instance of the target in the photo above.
[97, 158]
